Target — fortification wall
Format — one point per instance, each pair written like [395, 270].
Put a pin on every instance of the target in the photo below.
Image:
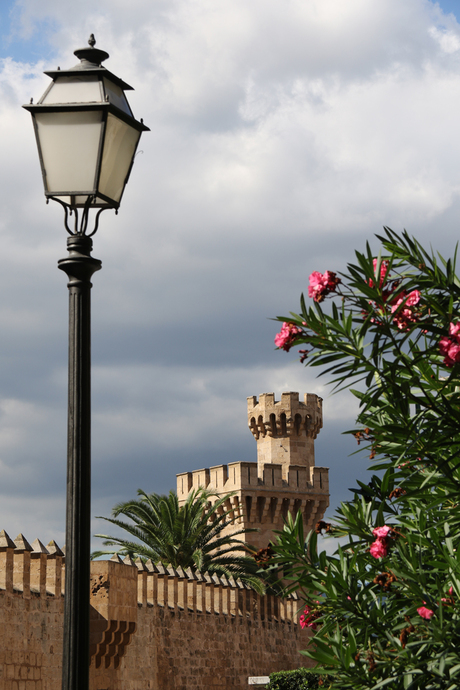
[262, 503]
[151, 628]
[31, 610]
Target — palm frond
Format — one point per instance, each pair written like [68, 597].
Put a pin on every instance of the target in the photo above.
[193, 535]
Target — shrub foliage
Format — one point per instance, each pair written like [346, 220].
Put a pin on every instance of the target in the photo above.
[300, 679]
[384, 608]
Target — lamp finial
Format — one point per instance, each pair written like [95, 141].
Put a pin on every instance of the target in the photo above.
[90, 56]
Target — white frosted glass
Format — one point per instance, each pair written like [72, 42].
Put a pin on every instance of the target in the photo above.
[74, 90]
[117, 96]
[119, 146]
[69, 145]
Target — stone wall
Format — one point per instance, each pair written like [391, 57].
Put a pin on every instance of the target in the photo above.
[151, 628]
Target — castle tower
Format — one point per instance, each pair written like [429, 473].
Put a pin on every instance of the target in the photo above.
[285, 431]
[284, 478]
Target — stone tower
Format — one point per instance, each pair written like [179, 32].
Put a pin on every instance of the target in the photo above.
[284, 478]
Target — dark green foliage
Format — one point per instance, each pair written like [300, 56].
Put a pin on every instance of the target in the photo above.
[300, 679]
[385, 607]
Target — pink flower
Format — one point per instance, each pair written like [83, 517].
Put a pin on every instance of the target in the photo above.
[378, 549]
[444, 345]
[454, 329]
[450, 348]
[322, 285]
[425, 613]
[286, 338]
[308, 618]
[413, 298]
[451, 590]
[451, 351]
[405, 316]
[383, 272]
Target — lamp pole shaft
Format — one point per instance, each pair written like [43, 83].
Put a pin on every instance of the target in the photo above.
[79, 267]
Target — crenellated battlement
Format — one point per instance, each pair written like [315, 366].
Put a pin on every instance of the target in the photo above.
[200, 593]
[119, 587]
[286, 418]
[245, 475]
[263, 502]
[286, 430]
[31, 570]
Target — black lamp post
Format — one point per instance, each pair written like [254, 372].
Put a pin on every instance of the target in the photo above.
[87, 138]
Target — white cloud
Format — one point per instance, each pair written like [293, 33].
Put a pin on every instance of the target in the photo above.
[449, 41]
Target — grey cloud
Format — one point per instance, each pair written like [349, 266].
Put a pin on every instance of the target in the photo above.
[279, 144]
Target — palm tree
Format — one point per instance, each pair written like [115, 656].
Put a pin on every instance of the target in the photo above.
[190, 536]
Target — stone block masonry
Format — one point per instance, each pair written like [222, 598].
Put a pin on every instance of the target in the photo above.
[31, 609]
[283, 480]
[152, 628]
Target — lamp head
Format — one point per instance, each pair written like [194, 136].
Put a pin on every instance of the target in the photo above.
[87, 135]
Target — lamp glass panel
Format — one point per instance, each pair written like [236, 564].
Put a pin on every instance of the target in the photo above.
[85, 89]
[69, 144]
[119, 146]
[117, 96]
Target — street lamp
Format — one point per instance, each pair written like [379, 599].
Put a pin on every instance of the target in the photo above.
[87, 138]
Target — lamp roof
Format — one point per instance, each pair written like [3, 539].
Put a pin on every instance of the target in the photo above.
[90, 63]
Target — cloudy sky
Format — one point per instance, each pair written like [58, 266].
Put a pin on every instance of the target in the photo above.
[284, 134]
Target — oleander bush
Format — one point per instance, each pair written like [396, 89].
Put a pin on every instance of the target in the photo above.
[384, 608]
